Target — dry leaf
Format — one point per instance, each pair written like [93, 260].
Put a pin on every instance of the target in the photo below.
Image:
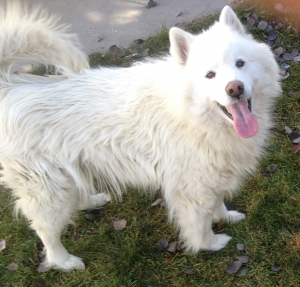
[234, 267]
[12, 267]
[157, 202]
[162, 243]
[243, 271]
[172, 247]
[188, 271]
[276, 268]
[295, 148]
[262, 25]
[240, 246]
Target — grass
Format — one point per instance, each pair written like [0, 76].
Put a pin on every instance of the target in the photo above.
[271, 232]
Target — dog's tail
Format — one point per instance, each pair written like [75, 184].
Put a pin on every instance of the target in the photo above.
[37, 37]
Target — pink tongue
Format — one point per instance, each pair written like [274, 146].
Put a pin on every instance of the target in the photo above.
[245, 123]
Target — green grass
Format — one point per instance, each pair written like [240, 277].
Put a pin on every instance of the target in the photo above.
[271, 232]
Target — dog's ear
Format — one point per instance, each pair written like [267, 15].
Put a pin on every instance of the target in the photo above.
[180, 44]
[229, 18]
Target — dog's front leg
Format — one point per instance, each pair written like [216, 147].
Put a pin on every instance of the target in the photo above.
[221, 212]
[194, 216]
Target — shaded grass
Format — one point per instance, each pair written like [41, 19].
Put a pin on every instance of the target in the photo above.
[271, 232]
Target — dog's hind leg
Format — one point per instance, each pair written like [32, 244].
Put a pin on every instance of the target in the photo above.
[94, 201]
[47, 197]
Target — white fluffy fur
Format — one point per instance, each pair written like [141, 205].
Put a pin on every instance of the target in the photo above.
[154, 125]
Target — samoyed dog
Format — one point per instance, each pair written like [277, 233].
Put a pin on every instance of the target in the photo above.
[193, 124]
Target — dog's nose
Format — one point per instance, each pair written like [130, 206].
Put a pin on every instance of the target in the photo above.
[235, 89]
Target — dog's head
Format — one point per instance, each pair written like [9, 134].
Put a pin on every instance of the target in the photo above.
[228, 70]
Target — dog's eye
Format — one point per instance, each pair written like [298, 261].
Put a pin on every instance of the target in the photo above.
[240, 63]
[210, 75]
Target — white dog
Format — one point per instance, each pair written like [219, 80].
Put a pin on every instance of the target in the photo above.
[194, 124]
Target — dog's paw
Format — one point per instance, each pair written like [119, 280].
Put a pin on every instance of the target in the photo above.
[72, 262]
[235, 216]
[219, 242]
[100, 199]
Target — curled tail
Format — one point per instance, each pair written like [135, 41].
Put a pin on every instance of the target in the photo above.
[37, 37]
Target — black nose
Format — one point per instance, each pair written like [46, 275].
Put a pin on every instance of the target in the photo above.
[235, 89]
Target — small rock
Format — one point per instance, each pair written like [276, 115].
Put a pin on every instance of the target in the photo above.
[295, 138]
[296, 59]
[240, 246]
[255, 17]
[119, 224]
[273, 167]
[285, 66]
[12, 267]
[269, 28]
[2, 245]
[234, 267]
[278, 52]
[288, 57]
[276, 268]
[288, 130]
[262, 25]
[162, 243]
[188, 271]
[243, 271]
[272, 36]
[295, 52]
[295, 148]
[244, 259]
[250, 21]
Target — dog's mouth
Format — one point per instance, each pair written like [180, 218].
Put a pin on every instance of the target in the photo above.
[224, 109]
[244, 122]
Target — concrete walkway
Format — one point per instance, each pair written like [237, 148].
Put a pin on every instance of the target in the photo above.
[103, 23]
